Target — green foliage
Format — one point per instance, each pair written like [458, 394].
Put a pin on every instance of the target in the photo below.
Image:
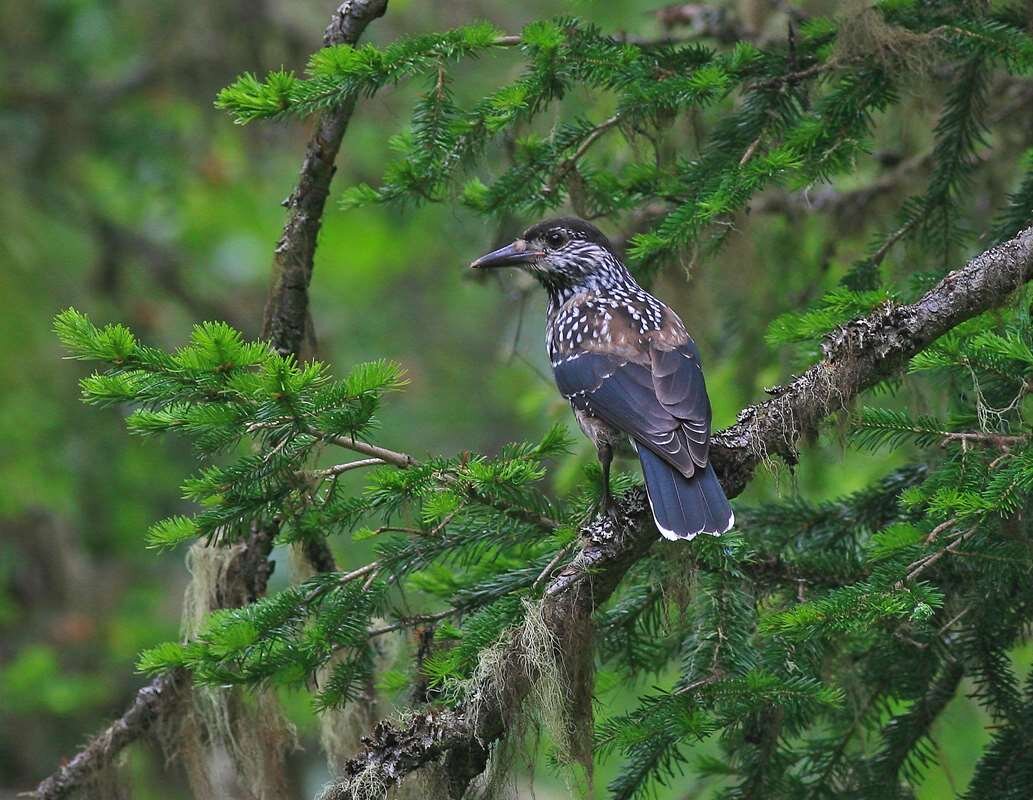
[784, 131]
[285, 638]
[835, 308]
[342, 71]
[879, 583]
[221, 393]
[273, 417]
[458, 657]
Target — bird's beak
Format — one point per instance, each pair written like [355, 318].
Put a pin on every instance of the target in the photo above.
[512, 255]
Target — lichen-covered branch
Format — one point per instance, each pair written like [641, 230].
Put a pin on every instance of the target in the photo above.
[863, 352]
[856, 357]
[246, 577]
[151, 702]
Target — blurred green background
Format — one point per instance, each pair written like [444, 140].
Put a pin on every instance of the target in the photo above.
[124, 192]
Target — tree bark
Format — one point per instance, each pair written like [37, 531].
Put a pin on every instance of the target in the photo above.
[287, 323]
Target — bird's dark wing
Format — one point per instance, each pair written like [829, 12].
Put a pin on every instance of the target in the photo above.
[661, 403]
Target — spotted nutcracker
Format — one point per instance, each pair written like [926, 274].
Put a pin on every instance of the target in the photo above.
[629, 369]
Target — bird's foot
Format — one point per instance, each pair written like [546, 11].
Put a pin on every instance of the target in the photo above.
[603, 524]
[607, 508]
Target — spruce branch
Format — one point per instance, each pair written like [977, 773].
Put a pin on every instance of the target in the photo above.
[865, 351]
[405, 461]
[857, 356]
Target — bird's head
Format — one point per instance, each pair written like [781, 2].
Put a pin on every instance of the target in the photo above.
[561, 253]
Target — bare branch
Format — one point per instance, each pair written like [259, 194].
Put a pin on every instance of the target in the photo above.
[408, 622]
[151, 702]
[247, 576]
[287, 323]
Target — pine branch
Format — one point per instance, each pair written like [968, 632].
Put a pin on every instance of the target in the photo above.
[858, 356]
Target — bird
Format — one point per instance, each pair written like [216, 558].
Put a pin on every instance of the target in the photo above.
[627, 365]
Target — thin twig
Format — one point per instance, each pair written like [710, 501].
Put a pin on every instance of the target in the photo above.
[891, 240]
[953, 621]
[750, 151]
[373, 566]
[545, 573]
[795, 77]
[368, 569]
[400, 460]
[570, 162]
[699, 684]
[437, 529]
[998, 440]
[408, 622]
[337, 469]
[397, 529]
[940, 529]
[921, 565]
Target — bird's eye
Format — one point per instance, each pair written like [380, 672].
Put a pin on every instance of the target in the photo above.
[555, 239]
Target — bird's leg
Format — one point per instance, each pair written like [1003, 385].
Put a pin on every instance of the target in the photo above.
[605, 453]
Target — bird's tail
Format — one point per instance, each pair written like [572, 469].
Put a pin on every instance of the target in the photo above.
[684, 507]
